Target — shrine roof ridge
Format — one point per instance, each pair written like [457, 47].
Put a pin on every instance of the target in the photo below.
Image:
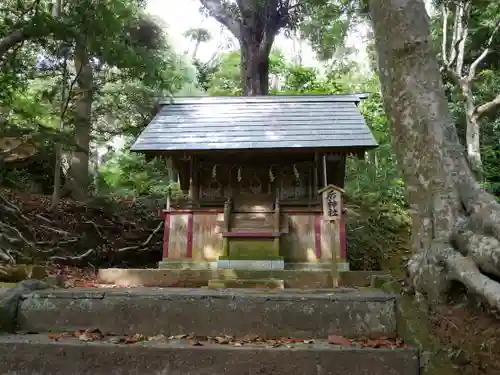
[257, 122]
[265, 99]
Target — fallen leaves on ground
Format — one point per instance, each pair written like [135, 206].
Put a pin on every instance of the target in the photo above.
[382, 342]
[89, 335]
[77, 277]
[366, 342]
[338, 340]
[74, 277]
[250, 339]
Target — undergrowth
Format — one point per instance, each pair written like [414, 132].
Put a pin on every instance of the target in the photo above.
[377, 234]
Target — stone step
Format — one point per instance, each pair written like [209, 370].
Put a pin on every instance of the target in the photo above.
[37, 354]
[247, 283]
[209, 312]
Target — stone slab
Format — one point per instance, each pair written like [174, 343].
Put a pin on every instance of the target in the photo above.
[271, 313]
[195, 278]
[252, 283]
[250, 264]
[342, 266]
[187, 264]
[36, 355]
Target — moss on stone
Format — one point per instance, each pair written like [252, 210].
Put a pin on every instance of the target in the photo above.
[252, 248]
[413, 328]
[244, 257]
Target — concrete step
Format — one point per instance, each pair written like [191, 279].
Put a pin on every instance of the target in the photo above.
[209, 312]
[37, 354]
[247, 283]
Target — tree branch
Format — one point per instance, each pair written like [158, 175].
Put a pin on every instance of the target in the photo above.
[11, 40]
[223, 16]
[19, 35]
[482, 56]
[455, 40]
[488, 107]
[464, 14]
[444, 15]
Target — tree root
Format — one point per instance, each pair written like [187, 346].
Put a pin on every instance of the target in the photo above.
[32, 236]
[145, 243]
[471, 257]
[464, 270]
[73, 260]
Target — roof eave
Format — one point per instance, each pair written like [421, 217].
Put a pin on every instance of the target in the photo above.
[280, 149]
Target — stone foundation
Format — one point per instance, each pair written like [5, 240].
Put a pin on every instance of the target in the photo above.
[196, 278]
[222, 263]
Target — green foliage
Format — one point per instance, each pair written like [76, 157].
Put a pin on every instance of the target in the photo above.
[223, 78]
[132, 62]
[483, 20]
[327, 23]
[376, 178]
[129, 174]
[375, 232]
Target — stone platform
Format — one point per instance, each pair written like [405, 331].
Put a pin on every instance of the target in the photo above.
[195, 278]
[36, 355]
[209, 312]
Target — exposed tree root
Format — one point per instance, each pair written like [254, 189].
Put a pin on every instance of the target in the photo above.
[143, 245]
[464, 270]
[74, 235]
[470, 256]
[73, 260]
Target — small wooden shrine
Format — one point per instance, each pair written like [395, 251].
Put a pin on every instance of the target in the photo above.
[263, 177]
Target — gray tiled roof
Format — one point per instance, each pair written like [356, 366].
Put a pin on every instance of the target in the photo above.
[263, 122]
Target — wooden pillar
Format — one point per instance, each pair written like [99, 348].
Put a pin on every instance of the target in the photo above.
[166, 234]
[316, 172]
[332, 210]
[277, 223]
[227, 226]
[166, 227]
[194, 185]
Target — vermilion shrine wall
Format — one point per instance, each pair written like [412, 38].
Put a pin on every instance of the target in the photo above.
[195, 235]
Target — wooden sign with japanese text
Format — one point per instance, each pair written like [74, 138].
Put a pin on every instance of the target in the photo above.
[332, 202]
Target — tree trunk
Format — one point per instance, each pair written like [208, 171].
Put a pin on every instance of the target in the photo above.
[455, 224]
[472, 140]
[254, 68]
[195, 50]
[473, 145]
[78, 172]
[255, 24]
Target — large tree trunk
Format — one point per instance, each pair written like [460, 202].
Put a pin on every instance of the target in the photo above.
[455, 223]
[77, 181]
[255, 25]
[254, 68]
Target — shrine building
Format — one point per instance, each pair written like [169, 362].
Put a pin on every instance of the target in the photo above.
[262, 179]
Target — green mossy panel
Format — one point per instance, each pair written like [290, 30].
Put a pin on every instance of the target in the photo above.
[252, 248]
[262, 257]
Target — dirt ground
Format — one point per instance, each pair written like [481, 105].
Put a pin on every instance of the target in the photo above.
[469, 334]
